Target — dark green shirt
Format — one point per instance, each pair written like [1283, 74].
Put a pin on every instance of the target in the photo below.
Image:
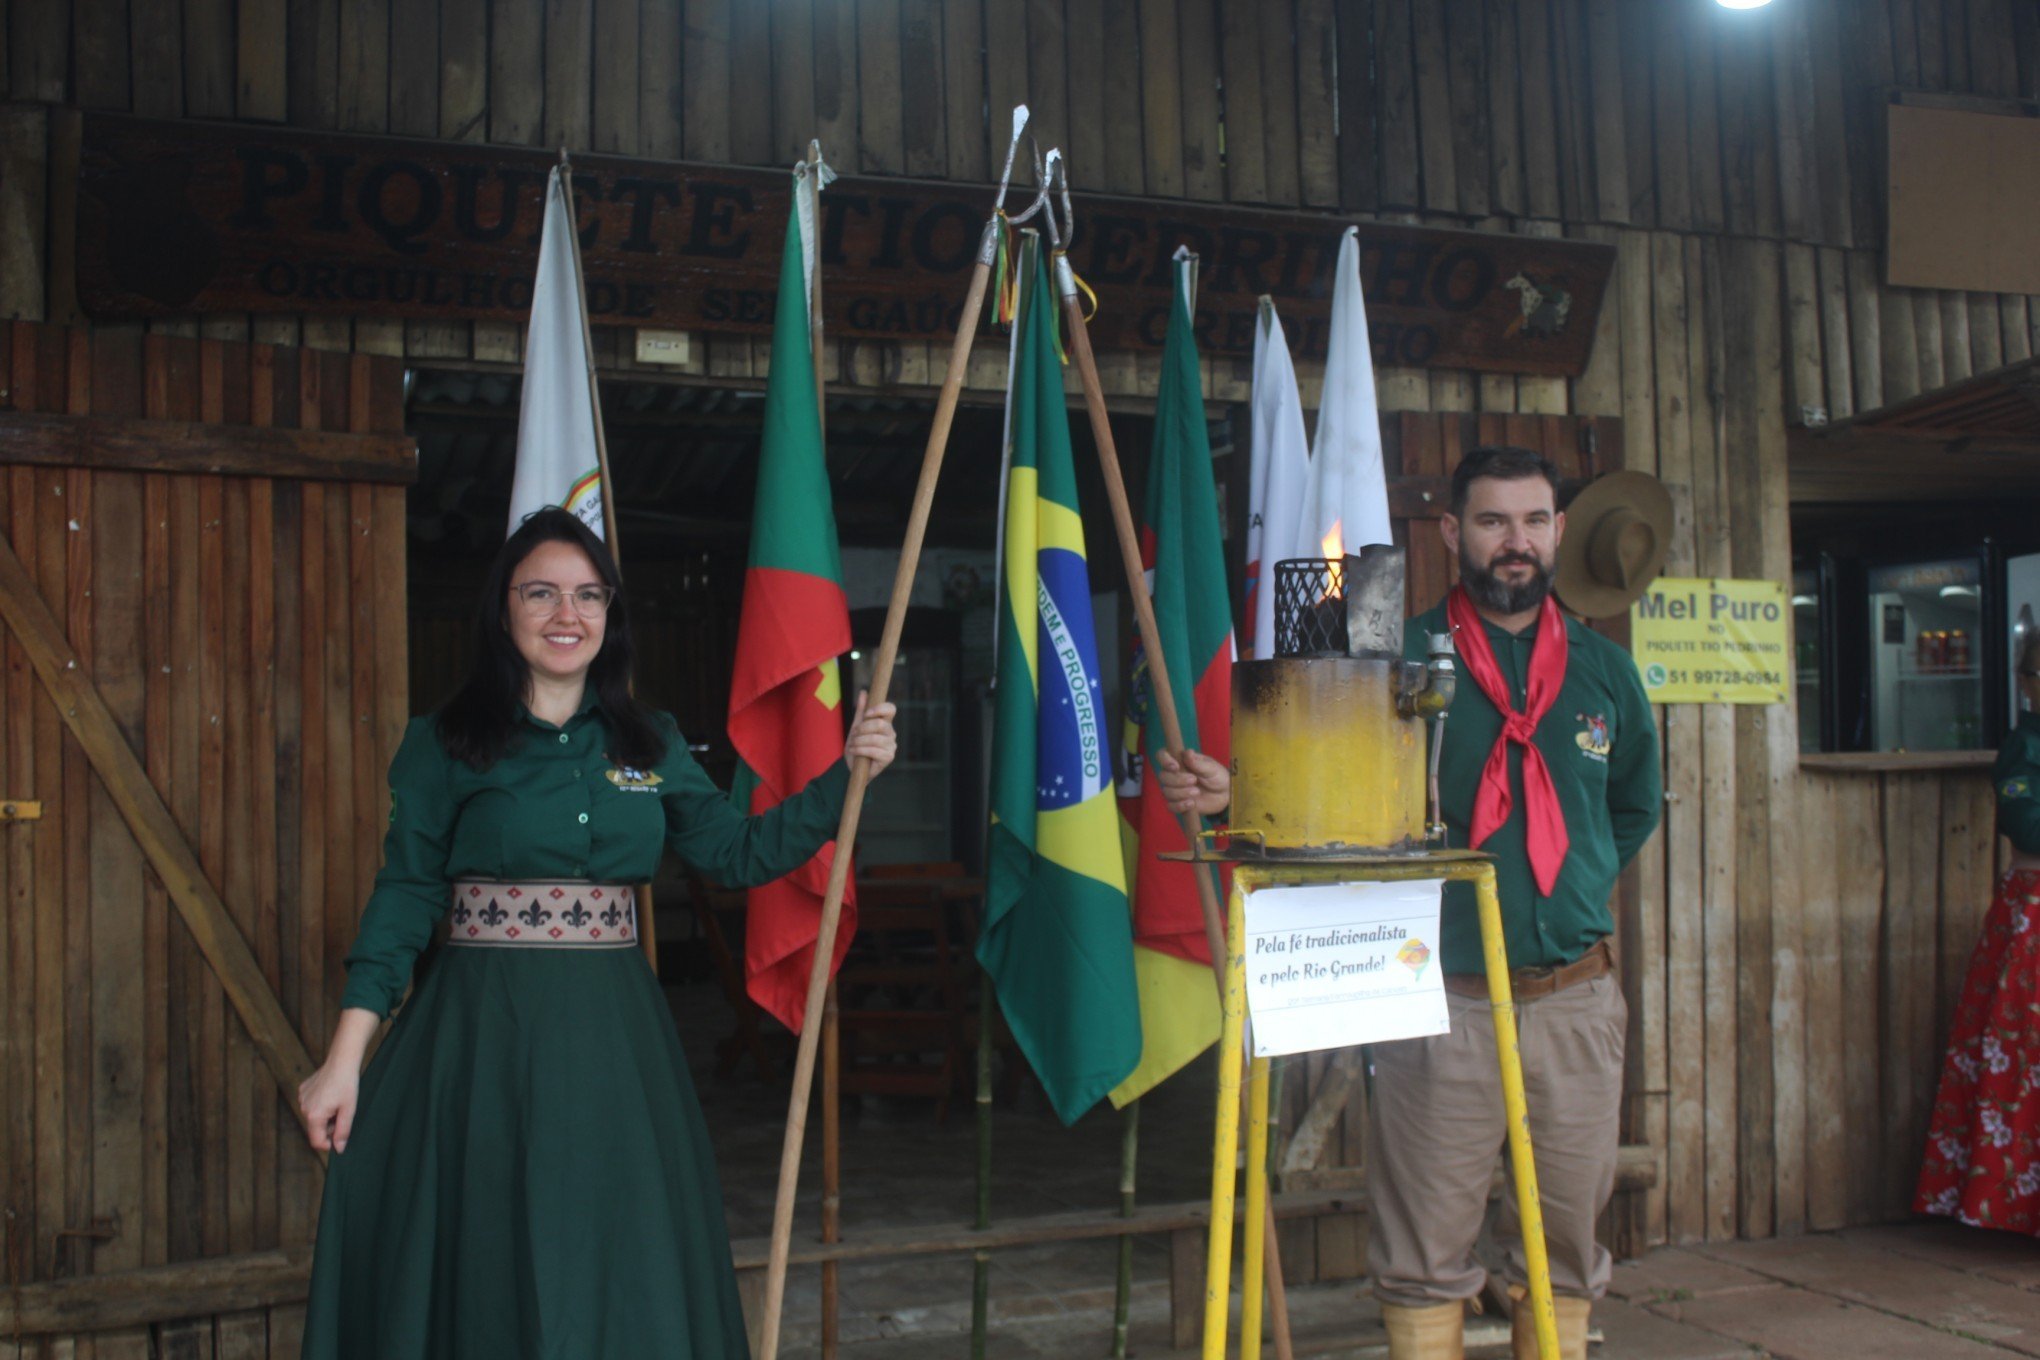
[2017, 777]
[556, 808]
[1602, 746]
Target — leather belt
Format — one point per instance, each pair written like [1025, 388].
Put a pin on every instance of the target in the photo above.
[1532, 984]
[566, 914]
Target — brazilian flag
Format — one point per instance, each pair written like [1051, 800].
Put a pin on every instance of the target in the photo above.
[1058, 936]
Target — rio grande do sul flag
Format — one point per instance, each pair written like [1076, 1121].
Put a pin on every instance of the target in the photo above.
[1057, 940]
[556, 459]
[1183, 553]
[786, 695]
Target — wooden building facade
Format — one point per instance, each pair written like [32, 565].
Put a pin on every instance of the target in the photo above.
[1792, 938]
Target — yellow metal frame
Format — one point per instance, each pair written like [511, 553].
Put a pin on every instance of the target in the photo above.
[1249, 877]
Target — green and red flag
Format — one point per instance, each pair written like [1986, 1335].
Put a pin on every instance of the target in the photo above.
[1184, 556]
[786, 696]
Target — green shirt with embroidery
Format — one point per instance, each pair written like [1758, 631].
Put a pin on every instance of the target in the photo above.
[556, 807]
[2017, 777]
[1601, 745]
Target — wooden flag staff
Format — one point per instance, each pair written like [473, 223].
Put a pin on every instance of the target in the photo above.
[860, 772]
[1055, 179]
[814, 176]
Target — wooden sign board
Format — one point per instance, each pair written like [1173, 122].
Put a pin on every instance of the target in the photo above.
[1965, 203]
[182, 218]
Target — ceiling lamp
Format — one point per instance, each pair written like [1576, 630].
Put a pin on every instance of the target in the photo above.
[1742, 4]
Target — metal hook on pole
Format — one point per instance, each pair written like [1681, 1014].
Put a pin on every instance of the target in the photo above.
[1040, 190]
[1059, 172]
[1012, 149]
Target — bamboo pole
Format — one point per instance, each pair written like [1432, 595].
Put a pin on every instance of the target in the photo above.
[832, 1165]
[1122, 1303]
[981, 1259]
[1278, 1295]
[860, 772]
[1150, 637]
[612, 532]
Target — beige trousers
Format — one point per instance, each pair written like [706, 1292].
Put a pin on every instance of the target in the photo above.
[1435, 1127]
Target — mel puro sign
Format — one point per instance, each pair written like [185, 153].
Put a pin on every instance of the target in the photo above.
[1712, 642]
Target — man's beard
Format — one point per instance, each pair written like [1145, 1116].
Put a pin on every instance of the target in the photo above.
[1498, 596]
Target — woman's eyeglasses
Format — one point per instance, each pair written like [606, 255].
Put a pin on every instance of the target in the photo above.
[542, 597]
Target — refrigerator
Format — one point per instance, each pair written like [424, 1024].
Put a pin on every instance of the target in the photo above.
[2022, 617]
[1932, 643]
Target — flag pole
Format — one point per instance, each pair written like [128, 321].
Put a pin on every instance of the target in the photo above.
[1129, 552]
[1150, 636]
[1129, 1153]
[832, 1047]
[860, 771]
[988, 1001]
[981, 1260]
[612, 532]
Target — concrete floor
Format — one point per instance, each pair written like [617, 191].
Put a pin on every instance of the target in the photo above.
[1919, 1291]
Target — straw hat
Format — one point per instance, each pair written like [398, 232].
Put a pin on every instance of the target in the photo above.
[1616, 532]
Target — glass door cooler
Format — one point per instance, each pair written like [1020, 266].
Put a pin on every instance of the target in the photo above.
[1930, 646]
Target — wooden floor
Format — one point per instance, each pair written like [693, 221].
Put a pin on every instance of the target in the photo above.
[1920, 1291]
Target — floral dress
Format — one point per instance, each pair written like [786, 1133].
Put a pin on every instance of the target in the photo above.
[1983, 1147]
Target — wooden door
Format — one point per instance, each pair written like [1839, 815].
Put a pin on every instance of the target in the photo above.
[217, 532]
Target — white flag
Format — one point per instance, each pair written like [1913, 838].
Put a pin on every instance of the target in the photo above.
[1346, 507]
[557, 463]
[1279, 469]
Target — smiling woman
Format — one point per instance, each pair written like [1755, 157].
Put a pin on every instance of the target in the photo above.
[526, 1146]
[558, 628]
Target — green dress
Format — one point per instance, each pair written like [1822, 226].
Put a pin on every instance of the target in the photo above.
[528, 1176]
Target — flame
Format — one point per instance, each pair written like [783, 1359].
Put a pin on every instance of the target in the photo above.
[1334, 546]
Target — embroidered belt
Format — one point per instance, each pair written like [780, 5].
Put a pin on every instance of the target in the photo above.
[569, 914]
[1534, 984]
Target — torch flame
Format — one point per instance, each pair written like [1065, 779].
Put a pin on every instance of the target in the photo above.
[1334, 546]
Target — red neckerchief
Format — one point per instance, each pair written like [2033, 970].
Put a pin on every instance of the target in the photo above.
[1544, 829]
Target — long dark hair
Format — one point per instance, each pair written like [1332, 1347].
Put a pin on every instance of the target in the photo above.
[479, 724]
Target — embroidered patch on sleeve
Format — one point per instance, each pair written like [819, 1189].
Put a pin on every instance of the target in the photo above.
[2016, 787]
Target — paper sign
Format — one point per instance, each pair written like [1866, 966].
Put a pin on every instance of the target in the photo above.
[1343, 964]
[1712, 641]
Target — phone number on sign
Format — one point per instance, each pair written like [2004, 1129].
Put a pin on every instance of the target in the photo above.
[1685, 677]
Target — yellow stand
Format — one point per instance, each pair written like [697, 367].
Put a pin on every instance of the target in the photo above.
[1248, 877]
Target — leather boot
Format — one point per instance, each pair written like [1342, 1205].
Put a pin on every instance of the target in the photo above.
[1434, 1332]
[1572, 1328]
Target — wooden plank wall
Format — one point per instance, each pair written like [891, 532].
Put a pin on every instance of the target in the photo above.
[1552, 117]
[1733, 160]
[248, 633]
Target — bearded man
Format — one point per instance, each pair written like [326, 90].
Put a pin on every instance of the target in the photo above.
[1550, 764]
